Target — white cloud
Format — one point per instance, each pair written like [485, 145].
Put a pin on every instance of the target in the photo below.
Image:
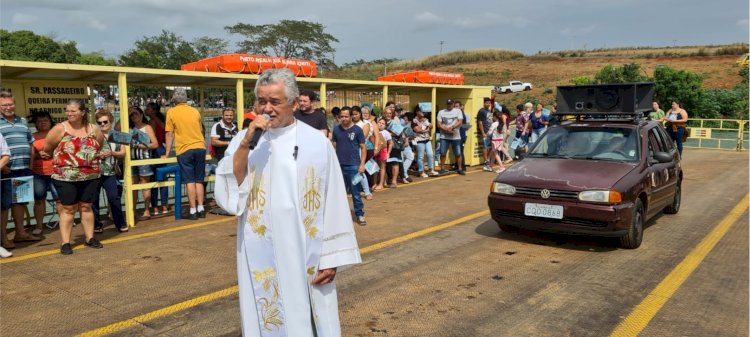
[23, 19]
[490, 20]
[85, 19]
[427, 18]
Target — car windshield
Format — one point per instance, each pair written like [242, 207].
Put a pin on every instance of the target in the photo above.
[617, 144]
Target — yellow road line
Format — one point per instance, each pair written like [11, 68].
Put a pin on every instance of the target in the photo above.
[18, 258]
[642, 314]
[232, 290]
[161, 312]
[423, 232]
[115, 240]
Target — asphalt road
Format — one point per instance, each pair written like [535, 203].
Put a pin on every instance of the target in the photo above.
[434, 264]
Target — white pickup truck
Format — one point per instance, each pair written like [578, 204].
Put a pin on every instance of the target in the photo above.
[514, 86]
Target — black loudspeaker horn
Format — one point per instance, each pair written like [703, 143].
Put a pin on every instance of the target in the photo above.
[605, 98]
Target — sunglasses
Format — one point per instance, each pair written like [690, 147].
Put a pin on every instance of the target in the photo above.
[102, 122]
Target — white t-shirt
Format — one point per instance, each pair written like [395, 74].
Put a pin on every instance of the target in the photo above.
[386, 136]
[424, 124]
[215, 129]
[448, 118]
[496, 132]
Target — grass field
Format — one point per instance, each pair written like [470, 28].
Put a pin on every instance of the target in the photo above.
[716, 64]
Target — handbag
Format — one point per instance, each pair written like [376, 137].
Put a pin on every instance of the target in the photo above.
[685, 134]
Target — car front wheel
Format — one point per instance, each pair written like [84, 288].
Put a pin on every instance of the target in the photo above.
[675, 206]
[633, 238]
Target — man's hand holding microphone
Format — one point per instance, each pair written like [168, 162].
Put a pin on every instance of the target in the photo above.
[255, 131]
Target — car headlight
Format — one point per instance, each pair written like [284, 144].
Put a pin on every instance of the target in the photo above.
[501, 188]
[600, 196]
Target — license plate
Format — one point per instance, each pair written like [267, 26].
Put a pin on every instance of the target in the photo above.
[544, 211]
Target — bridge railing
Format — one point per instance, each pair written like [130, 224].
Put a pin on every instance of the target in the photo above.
[720, 134]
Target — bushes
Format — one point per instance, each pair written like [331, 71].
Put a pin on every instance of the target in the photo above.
[682, 86]
[627, 73]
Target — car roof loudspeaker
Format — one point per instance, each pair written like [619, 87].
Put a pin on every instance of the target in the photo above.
[605, 98]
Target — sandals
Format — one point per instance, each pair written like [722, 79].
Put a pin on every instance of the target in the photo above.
[99, 230]
[144, 218]
[36, 231]
[27, 238]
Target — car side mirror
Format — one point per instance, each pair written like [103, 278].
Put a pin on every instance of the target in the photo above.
[663, 157]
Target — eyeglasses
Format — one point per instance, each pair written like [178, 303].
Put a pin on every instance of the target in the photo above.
[102, 122]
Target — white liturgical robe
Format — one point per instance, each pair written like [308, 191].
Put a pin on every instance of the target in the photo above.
[293, 220]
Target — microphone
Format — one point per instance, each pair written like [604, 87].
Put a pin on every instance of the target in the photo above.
[258, 133]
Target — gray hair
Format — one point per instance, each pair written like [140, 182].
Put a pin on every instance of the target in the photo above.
[528, 105]
[180, 95]
[283, 76]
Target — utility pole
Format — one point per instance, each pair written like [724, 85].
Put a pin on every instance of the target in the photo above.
[441, 46]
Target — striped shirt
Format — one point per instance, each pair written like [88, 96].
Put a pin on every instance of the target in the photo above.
[18, 136]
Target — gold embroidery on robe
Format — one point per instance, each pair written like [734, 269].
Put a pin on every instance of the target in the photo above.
[311, 202]
[269, 308]
[256, 203]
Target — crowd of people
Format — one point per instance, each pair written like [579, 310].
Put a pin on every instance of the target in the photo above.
[74, 162]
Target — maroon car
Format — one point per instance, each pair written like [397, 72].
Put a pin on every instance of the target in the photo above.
[603, 175]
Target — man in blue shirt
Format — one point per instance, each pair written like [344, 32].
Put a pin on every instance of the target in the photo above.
[18, 136]
[349, 142]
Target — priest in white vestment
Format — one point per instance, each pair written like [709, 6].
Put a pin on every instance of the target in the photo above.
[294, 224]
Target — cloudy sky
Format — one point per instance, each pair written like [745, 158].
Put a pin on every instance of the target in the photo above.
[394, 29]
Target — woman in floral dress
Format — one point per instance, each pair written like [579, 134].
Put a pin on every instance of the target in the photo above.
[76, 148]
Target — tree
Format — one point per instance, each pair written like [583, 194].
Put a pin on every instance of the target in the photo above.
[582, 80]
[96, 58]
[289, 39]
[743, 94]
[210, 46]
[672, 85]
[628, 73]
[24, 45]
[165, 51]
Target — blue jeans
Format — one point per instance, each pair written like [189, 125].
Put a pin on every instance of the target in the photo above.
[421, 149]
[349, 172]
[455, 144]
[677, 137]
[113, 189]
[536, 134]
[407, 156]
[365, 184]
[163, 191]
[42, 184]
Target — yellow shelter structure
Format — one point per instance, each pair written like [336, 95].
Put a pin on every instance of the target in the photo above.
[39, 86]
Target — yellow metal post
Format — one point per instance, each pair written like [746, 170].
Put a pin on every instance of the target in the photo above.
[122, 88]
[740, 130]
[384, 99]
[323, 96]
[240, 88]
[434, 116]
